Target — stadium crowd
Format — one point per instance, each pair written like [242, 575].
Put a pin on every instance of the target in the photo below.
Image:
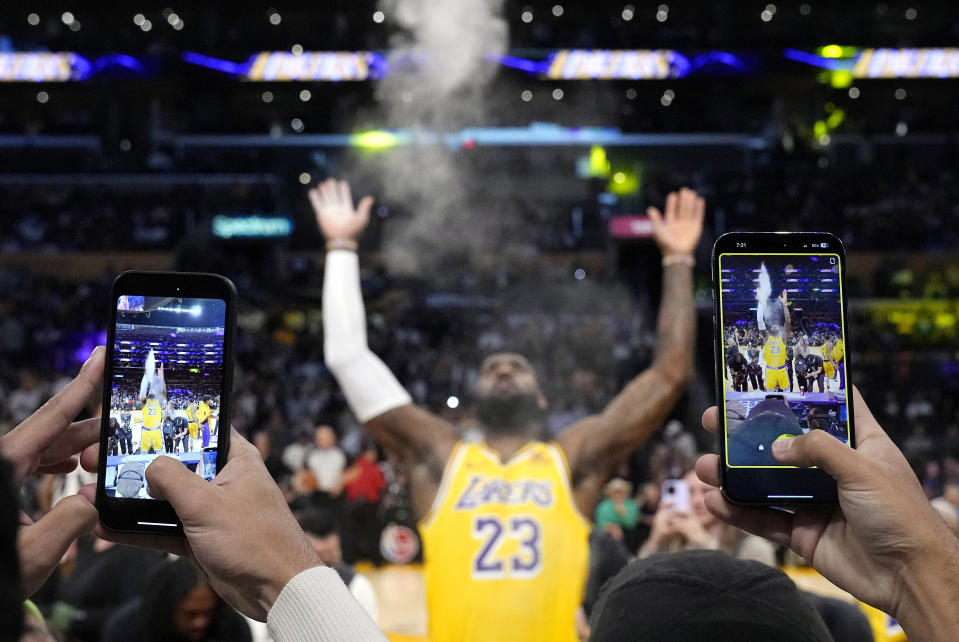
[864, 210]
[287, 403]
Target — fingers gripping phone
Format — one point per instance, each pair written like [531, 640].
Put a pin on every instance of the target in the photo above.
[780, 308]
[167, 382]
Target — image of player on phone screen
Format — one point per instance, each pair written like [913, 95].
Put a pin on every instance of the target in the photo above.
[169, 356]
[773, 412]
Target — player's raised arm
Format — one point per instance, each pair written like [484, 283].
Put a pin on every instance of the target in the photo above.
[161, 394]
[787, 321]
[375, 396]
[598, 443]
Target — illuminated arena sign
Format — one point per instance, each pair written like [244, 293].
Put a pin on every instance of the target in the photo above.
[308, 66]
[616, 64]
[853, 62]
[251, 227]
[907, 63]
[272, 66]
[42, 67]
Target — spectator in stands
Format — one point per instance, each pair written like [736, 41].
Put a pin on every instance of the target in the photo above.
[176, 604]
[618, 514]
[884, 544]
[277, 469]
[701, 595]
[26, 398]
[294, 455]
[677, 530]
[320, 527]
[918, 444]
[327, 462]
[83, 606]
[364, 484]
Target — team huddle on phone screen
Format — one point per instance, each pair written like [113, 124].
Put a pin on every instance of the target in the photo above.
[784, 355]
[167, 374]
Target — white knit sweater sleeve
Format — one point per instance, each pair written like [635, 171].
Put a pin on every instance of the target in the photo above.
[315, 606]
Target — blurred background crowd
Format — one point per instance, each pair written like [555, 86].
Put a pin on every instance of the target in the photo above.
[159, 163]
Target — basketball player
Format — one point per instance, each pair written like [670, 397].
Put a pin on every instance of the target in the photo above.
[192, 426]
[203, 413]
[832, 356]
[774, 347]
[838, 354]
[504, 536]
[151, 433]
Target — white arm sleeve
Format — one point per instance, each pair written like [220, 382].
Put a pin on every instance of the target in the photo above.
[759, 315]
[369, 386]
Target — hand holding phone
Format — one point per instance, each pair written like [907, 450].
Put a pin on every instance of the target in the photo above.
[884, 543]
[169, 361]
[237, 527]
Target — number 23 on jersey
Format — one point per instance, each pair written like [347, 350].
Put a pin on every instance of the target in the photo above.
[519, 535]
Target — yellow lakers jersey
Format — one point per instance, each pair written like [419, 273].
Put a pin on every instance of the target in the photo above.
[151, 414]
[202, 412]
[190, 415]
[837, 351]
[774, 353]
[506, 551]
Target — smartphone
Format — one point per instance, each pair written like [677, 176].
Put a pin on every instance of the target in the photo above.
[169, 361]
[779, 297]
[674, 494]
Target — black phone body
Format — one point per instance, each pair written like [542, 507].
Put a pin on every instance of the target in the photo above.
[780, 370]
[184, 322]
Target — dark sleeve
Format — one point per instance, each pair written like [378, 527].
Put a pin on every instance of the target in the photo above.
[232, 626]
[607, 557]
[845, 621]
[124, 624]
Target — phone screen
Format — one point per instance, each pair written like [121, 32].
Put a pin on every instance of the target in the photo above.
[675, 494]
[167, 382]
[781, 319]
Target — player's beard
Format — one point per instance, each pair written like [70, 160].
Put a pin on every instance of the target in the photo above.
[509, 414]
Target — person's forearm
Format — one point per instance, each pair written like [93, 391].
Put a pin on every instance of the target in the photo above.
[676, 327]
[926, 608]
[370, 388]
